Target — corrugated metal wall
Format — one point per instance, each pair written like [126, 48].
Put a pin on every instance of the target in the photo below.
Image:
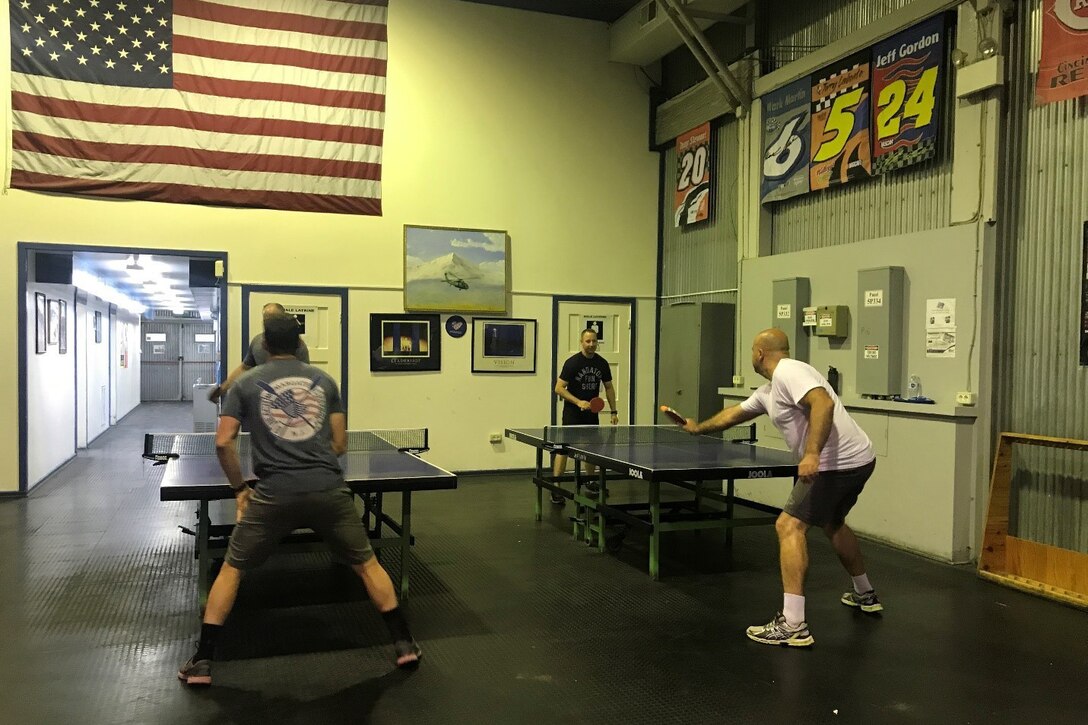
[905, 201]
[170, 368]
[1041, 388]
[703, 258]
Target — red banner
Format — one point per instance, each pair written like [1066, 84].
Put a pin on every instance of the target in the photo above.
[692, 176]
[1063, 65]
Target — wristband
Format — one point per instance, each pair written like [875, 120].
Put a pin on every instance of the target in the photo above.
[614, 412]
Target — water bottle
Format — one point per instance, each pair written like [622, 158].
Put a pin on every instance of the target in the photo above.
[833, 379]
[914, 387]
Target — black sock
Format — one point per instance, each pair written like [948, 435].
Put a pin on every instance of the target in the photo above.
[398, 626]
[209, 634]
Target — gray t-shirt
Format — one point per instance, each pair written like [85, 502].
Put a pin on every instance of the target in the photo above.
[285, 405]
[258, 354]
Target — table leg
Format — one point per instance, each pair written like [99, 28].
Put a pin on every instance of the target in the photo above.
[601, 494]
[655, 530]
[579, 509]
[376, 510]
[405, 541]
[203, 563]
[729, 513]
[539, 489]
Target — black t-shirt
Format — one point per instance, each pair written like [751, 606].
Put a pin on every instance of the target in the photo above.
[584, 376]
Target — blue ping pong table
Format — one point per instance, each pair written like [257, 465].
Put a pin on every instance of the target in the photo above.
[655, 455]
[377, 462]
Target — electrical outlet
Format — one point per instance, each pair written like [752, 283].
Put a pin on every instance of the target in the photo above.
[965, 398]
[738, 380]
[495, 438]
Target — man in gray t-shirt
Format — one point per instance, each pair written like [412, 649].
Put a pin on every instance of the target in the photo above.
[256, 355]
[297, 429]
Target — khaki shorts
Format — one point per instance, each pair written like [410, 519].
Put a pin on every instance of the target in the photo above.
[270, 517]
[828, 499]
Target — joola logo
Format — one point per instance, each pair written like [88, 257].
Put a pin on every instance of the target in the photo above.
[634, 473]
[759, 474]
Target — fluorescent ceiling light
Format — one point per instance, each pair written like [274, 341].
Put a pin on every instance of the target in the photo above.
[91, 284]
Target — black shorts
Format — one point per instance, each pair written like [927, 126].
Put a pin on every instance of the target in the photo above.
[270, 517]
[577, 416]
[827, 500]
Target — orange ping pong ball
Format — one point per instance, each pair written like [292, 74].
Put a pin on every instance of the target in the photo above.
[664, 408]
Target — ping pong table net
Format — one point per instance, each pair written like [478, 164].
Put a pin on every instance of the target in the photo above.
[643, 435]
[162, 447]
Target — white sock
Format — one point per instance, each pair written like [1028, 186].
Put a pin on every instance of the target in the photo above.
[793, 609]
[861, 584]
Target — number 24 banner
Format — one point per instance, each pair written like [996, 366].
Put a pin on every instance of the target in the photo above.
[906, 85]
[692, 176]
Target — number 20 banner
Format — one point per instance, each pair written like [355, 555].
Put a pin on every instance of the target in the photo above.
[906, 85]
[692, 176]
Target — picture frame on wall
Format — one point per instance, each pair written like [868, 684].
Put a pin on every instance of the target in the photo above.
[97, 326]
[503, 345]
[41, 330]
[405, 342]
[448, 269]
[54, 322]
[62, 327]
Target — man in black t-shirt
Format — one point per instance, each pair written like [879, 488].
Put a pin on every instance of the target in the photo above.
[579, 382]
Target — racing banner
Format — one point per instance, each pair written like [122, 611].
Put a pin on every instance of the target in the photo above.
[908, 73]
[693, 176]
[1063, 62]
[840, 123]
[786, 141]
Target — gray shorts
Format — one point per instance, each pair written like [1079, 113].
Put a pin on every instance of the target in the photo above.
[827, 500]
[270, 517]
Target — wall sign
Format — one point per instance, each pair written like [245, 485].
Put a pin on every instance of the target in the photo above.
[693, 164]
[595, 324]
[840, 123]
[1084, 301]
[1063, 61]
[785, 141]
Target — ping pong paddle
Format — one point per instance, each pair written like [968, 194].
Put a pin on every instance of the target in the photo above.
[596, 405]
[673, 415]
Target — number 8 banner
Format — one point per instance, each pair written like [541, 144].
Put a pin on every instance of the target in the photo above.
[840, 123]
[907, 78]
[693, 176]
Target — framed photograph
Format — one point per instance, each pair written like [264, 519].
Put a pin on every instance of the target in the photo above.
[41, 331]
[503, 345]
[54, 322]
[62, 325]
[405, 342]
[97, 326]
[456, 270]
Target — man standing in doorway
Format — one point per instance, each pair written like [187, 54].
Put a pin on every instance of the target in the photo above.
[297, 429]
[579, 382]
[257, 354]
[836, 459]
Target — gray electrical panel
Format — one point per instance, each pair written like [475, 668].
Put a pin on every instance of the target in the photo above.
[789, 297]
[880, 331]
[695, 356]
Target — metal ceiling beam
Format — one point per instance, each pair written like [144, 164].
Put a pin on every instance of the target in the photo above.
[706, 56]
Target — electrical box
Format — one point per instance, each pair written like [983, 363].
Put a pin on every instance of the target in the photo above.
[833, 321]
[880, 331]
[695, 356]
[789, 298]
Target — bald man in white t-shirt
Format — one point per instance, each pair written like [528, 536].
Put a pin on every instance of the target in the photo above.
[835, 460]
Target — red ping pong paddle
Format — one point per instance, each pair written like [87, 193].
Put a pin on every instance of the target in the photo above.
[676, 417]
[596, 405]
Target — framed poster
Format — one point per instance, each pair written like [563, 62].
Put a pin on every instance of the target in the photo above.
[785, 141]
[403, 342]
[97, 326]
[456, 270]
[54, 322]
[693, 165]
[908, 74]
[1084, 300]
[503, 345]
[840, 123]
[41, 331]
[62, 325]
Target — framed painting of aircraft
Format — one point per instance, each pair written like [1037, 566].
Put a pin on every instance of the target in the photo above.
[456, 270]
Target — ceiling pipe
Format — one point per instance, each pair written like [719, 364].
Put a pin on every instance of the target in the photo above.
[707, 57]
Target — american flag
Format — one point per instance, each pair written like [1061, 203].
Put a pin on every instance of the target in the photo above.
[277, 104]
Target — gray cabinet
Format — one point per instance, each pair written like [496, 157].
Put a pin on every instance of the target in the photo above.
[694, 357]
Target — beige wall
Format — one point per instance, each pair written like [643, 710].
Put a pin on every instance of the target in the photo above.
[496, 119]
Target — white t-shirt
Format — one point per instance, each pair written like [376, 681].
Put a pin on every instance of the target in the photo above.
[847, 445]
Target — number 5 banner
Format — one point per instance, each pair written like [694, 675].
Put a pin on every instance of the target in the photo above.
[693, 176]
[840, 123]
[785, 141]
[907, 77]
